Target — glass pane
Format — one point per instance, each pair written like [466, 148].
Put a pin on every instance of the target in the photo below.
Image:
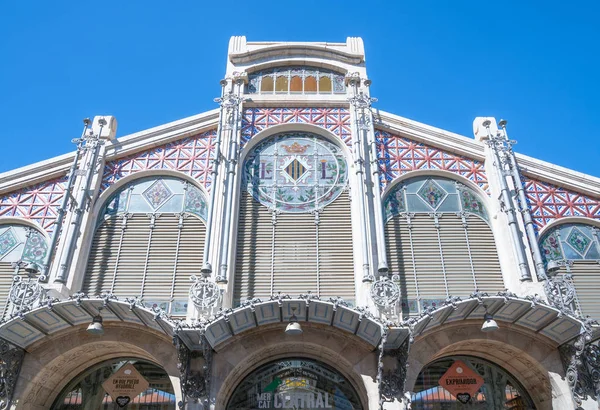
[296, 84]
[310, 84]
[499, 390]
[87, 391]
[338, 84]
[325, 85]
[281, 85]
[306, 383]
[266, 84]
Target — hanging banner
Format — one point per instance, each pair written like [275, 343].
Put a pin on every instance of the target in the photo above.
[126, 384]
[462, 382]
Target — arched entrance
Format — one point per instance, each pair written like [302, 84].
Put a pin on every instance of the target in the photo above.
[297, 383]
[90, 389]
[459, 382]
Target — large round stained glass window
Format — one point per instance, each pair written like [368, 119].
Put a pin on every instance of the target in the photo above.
[294, 384]
[295, 172]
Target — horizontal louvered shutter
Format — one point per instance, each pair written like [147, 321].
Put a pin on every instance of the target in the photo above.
[132, 258]
[289, 250]
[449, 260]
[254, 250]
[455, 251]
[103, 257]
[485, 256]
[6, 280]
[336, 263]
[161, 259]
[190, 255]
[295, 254]
[136, 251]
[586, 277]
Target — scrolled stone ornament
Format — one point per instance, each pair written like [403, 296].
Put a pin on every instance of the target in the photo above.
[385, 292]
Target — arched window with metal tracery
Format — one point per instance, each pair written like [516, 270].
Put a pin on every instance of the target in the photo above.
[572, 251]
[148, 242]
[18, 243]
[296, 80]
[439, 242]
[459, 382]
[294, 229]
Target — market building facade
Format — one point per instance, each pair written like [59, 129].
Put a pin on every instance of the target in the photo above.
[298, 248]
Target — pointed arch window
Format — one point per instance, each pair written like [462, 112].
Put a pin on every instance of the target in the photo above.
[439, 242]
[148, 242]
[572, 252]
[294, 228]
[18, 243]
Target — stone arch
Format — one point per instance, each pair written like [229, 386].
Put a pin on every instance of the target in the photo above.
[444, 174]
[530, 358]
[294, 127]
[75, 281]
[17, 220]
[352, 357]
[51, 363]
[568, 220]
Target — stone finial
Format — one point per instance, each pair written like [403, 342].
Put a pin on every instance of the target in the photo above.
[237, 45]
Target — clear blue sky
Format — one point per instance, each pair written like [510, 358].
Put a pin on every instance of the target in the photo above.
[443, 63]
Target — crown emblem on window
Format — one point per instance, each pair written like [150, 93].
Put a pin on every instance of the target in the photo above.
[295, 148]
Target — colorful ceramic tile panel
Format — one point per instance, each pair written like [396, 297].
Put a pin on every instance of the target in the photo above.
[38, 203]
[35, 248]
[192, 156]
[548, 202]
[195, 202]
[578, 241]
[471, 203]
[398, 155]
[335, 120]
[431, 193]
[157, 194]
[7, 241]
[551, 248]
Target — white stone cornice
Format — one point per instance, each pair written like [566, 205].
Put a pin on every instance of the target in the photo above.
[429, 135]
[557, 175]
[242, 51]
[59, 166]
[459, 144]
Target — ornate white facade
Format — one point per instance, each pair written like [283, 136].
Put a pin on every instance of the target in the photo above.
[390, 242]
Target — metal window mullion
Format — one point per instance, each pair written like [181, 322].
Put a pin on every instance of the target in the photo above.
[465, 226]
[437, 230]
[274, 223]
[123, 228]
[152, 221]
[176, 260]
[412, 257]
[317, 252]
